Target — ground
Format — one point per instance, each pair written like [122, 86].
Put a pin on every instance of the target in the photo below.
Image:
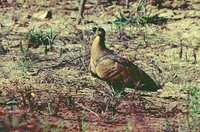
[52, 90]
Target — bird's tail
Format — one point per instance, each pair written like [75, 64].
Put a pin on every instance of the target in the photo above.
[142, 81]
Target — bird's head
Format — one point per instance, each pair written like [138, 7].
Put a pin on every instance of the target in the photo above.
[99, 32]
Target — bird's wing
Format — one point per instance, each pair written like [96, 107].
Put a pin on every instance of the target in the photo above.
[108, 69]
[113, 67]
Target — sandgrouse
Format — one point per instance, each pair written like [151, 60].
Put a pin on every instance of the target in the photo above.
[118, 72]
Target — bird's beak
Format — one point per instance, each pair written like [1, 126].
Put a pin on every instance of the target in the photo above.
[94, 31]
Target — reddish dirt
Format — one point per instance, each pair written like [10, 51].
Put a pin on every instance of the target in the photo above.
[121, 113]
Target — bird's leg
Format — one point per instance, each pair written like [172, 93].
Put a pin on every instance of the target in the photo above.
[108, 97]
[122, 92]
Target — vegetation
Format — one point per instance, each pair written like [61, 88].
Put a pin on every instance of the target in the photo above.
[37, 38]
[193, 117]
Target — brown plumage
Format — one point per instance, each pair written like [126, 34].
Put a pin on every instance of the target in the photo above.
[118, 72]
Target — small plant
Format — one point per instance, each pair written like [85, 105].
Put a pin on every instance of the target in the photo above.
[127, 128]
[169, 126]
[141, 17]
[83, 122]
[49, 108]
[2, 50]
[50, 38]
[147, 106]
[194, 109]
[9, 42]
[37, 38]
[24, 62]
[8, 122]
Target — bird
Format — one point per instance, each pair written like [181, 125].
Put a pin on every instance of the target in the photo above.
[116, 71]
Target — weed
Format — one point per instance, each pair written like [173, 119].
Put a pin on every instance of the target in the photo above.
[8, 122]
[24, 62]
[194, 109]
[50, 37]
[140, 17]
[141, 8]
[9, 42]
[83, 122]
[147, 106]
[169, 126]
[37, 38]
[140, 20]
[2, 50]
[127, 128]
[49, 108]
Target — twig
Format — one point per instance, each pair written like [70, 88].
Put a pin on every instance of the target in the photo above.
[84, 107]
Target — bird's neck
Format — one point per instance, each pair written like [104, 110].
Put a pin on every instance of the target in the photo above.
[98, 44]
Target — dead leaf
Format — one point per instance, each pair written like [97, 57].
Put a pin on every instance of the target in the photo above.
[43, 15]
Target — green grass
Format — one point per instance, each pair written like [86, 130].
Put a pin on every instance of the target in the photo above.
[194, 109]
[83, 122]
[140, 17]
[140, 20]
[38, 37]
[24, 63]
